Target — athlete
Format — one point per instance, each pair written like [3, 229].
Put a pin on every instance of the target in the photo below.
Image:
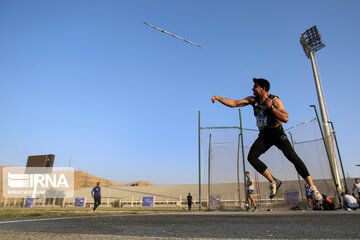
[249, 186]
[270, 113]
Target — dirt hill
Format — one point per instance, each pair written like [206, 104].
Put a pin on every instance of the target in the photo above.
[82, 179]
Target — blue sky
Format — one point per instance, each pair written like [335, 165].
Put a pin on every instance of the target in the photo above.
[88, 81]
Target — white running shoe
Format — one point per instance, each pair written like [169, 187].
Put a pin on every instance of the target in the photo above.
[274, 187]
[315, 194]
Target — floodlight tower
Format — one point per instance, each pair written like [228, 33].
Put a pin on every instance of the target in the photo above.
[311, 43]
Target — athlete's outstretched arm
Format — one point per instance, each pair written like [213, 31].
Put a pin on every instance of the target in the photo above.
[233, 103]
[278, 110]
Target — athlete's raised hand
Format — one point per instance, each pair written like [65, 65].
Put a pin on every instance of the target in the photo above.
[215, 98]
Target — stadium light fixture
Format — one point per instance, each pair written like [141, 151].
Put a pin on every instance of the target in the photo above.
[311, 41]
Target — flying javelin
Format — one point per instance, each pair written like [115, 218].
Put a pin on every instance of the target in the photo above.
[173, 35]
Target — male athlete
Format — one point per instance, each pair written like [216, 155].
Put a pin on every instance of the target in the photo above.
[270, 113]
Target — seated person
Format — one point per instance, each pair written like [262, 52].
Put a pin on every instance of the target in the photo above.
[349, 202]
[327, 203]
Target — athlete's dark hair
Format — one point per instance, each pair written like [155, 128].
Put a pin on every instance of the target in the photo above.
[262, 83]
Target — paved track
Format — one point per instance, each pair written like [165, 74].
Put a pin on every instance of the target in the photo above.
[219, 225]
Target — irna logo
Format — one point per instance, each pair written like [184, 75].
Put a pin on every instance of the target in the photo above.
[32, 180]
[36, 182]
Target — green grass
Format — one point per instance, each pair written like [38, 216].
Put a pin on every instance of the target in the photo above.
[47, 212]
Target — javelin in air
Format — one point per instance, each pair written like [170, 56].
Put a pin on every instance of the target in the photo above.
[173, 35]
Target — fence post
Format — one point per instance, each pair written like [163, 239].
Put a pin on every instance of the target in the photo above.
[238, 169]
[338, 151]
[300, 187]
[108, 201]
[199, 154]
[5, 202]
[180, 201]
[209, 168]
[235, 199]
[243, 154]
[132, 201]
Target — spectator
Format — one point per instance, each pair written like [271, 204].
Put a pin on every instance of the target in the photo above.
[357, 187]
[327, 203]
[189, 201]
[249, 186]
[349, 202]
[308, 195]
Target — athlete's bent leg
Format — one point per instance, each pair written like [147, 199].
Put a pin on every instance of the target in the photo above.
[284, 145]
[259, 147]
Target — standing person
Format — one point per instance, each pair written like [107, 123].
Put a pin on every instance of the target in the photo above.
[308, 195]
[357, 187]
[189, 201]
[349, 202]
[270, 114]
[249, 186]
[96, 194]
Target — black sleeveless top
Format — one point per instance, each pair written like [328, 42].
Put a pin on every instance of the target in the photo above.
[265, 118]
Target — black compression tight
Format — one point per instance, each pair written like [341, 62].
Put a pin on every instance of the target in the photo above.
[266, 139]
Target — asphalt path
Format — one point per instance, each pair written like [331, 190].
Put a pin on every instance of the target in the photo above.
[207, 225]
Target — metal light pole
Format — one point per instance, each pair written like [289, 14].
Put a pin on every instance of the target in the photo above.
[311, 43]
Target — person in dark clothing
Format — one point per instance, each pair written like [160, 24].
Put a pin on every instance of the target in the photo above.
[270, 113]
[96, 194]
[189, 201]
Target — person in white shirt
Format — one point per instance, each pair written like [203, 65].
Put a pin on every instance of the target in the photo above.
[357, 187]
[349, 202]
[249, 186]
